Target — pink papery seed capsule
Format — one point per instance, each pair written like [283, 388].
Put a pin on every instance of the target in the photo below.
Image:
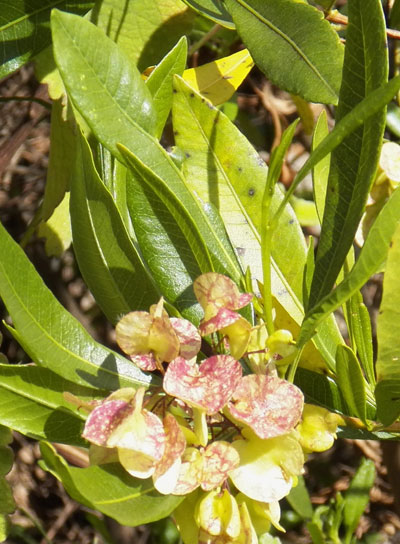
[207, 386]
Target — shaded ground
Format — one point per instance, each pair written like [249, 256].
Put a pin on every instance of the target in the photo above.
[45, 513]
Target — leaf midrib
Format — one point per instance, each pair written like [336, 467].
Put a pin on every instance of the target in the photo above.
[103, 85]
[227, 181]
[51, 338]
[293, 44]
[27, 16]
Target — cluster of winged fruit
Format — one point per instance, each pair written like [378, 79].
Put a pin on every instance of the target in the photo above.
[233, 444]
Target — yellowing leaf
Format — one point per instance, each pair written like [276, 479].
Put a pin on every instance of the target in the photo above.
[218, 80]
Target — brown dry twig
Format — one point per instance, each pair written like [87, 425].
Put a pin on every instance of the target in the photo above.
[336, 17]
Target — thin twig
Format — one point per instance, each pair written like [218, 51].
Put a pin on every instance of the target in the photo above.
[210, 34]
[340, 19]
[43, 103]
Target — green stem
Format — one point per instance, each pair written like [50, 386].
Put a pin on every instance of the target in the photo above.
[210, 34]
[294, 366]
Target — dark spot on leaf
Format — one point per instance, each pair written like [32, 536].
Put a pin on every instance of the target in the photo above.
[252, 192]
[240, 169]
[215, 120]
[176, 133]
[391, 243]
[191, 95]
[291, 221]
[202, 100]
[187, 155]
[174, 91]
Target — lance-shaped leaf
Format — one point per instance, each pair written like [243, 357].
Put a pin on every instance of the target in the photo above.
[223, 167]
[354, 162]
[207, 386]
[208, 250]
[218, 80]
[268, 405]
[167, 470]
[369, 262]
[267, 467]
[32, 403]
[107, 258]
[164, 248]
[111, 490]
[351, 381]
[24, 29]
[52, 336]
[160, 82]
[387, 391]
[306, 63]
[107, 87]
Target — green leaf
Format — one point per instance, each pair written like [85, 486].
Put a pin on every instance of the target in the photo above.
[299, 499]
[32, 403]
[306, 63]
[24, 29]
[370, 260]
[351, 381]
[6, 460]
[208, 250]
[357, 496]
[361, 334]
[62, 155]
[214, 10]
[7, 503]
[111, 490]
[394, 21]
[102, 82]
[50, 335]
[145, 32]
[354, 162]
[223, 168]
[387, 391]
[321, 390]
[320, 172]
[164, 248]
[160, 82]
[6, 436]
[107, 258]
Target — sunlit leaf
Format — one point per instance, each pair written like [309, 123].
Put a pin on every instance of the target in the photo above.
[218, 80]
